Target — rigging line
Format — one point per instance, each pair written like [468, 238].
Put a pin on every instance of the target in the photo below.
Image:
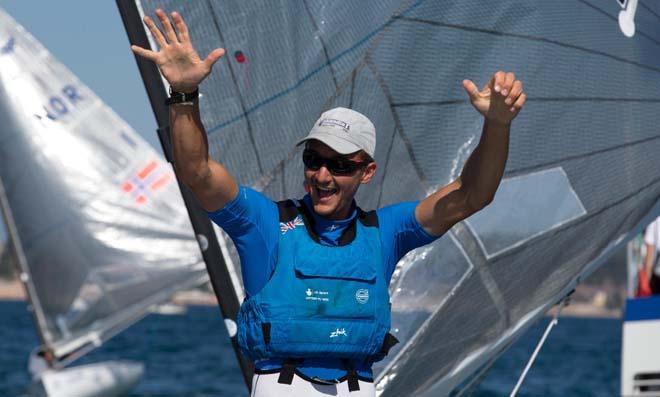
[579, 220]
[385, 168]
[471, 387]
[533, 99]
[241, 100]
[350, 101]
[535, 167]
[648, 9]
[314, 72]
[398, 128]
[43, 332]
[283, 179]
[323, 45]
[549, 328]
[265, 180]
[637, 30]
[529, 37]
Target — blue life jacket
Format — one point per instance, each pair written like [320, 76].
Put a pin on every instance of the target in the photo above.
[321, 301]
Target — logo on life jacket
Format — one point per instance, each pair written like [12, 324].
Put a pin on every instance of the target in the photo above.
[338, 332]
[316, 295]
[286, 226]
[362, 296]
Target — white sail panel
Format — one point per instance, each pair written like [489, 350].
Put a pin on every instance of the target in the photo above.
[95, 209]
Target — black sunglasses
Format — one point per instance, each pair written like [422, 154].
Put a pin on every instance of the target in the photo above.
[336, 165]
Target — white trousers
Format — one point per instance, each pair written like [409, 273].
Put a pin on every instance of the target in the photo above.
[265, 385]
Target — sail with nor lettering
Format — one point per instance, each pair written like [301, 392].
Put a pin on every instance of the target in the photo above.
[94, 214]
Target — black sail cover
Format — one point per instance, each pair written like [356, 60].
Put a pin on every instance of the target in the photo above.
[583, 168]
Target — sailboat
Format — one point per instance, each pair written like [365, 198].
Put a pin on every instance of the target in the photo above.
[583, 171]
[98, 226]
[640, 369]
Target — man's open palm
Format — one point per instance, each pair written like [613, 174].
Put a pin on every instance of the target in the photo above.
[177, 59]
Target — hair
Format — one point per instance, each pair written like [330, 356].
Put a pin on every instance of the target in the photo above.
[364, 156]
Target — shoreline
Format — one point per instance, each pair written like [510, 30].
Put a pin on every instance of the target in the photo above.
[14, 291]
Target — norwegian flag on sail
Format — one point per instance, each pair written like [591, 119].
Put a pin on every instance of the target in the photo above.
[146, 181]
[286, 226]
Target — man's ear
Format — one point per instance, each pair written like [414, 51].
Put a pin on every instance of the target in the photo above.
[368, 173]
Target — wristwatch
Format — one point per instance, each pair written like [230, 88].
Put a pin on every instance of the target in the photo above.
[182, 97]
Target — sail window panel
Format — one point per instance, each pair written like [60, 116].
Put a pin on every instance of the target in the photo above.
[440, 139]
[457, 335]
[525, 207]
[422, 283]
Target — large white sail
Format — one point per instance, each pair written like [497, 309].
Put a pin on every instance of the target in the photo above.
[97, 221]
[583, 169]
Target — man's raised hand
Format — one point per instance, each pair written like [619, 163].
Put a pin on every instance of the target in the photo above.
[177, 59]
[500, 100]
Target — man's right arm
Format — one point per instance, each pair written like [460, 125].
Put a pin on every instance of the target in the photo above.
[184, 70]
[210, 181]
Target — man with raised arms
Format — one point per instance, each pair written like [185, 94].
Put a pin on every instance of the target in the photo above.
[316, 270]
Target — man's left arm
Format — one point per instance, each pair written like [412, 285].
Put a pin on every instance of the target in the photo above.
[500, 101]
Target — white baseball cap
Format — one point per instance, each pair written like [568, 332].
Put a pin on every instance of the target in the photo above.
[345, 131]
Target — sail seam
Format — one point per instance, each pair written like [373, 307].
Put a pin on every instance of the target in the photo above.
[649, 10]
[314, 72]
[637, 30]
[398, 129]
[528, 37]
[241, 100]
[323, 45]
[579, 156]
[532, 99]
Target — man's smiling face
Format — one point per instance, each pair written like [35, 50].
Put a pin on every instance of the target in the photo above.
[332, 195]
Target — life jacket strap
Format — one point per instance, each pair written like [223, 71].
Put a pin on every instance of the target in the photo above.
[288, 370]
[388, 343]
[265, 330]
[351, 376]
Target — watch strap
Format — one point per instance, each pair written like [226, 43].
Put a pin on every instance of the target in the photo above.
[181, 97]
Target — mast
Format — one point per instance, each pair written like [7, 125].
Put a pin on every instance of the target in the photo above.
[211, 252]
[23, 269]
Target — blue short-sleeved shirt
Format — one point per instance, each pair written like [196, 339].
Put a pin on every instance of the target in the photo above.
[252, 222]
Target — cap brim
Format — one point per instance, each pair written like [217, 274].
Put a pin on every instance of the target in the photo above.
[339, 145]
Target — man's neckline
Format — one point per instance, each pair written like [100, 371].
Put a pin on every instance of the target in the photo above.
[307, 202]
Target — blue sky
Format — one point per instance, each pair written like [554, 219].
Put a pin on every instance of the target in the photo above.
[89, 38]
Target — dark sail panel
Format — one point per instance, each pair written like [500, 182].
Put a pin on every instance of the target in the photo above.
[591, 70]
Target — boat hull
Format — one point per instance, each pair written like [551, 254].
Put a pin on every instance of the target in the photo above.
[640, 352]
[106, 379]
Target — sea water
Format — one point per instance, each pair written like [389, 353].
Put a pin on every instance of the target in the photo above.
[190, 355]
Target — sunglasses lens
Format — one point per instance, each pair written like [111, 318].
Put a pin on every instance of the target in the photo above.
[336, 166]
[312, 160]
[342, 167]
